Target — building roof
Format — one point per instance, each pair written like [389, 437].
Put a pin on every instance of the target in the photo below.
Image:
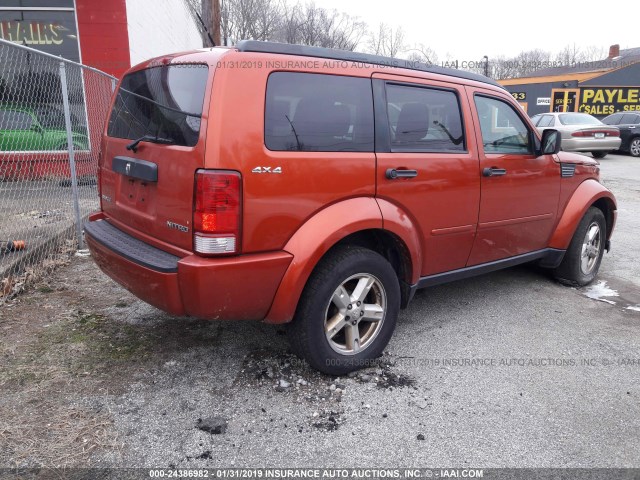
[579, 77]
[582, 70]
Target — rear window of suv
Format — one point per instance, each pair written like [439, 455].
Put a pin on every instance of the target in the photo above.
[318, 113]
[162, 104]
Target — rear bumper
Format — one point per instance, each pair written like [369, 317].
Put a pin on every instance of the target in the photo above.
[233, 288]
[590, 144]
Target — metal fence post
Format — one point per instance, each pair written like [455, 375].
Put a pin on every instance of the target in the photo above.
[72, 160]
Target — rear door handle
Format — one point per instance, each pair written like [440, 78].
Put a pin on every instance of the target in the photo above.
[392, 173]
[493, 172]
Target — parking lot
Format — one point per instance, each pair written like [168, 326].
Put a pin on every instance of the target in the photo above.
[509, 369]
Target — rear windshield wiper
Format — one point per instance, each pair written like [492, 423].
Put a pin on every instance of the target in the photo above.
[148, 138]
[158, 104]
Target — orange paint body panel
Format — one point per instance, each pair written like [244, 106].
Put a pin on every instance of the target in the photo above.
[202, 287]
[231, 288]
[158, 289]
[312, 241]
[587, 193]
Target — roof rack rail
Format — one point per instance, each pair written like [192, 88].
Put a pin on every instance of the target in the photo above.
[344, 55]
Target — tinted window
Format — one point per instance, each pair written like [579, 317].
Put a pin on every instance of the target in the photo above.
[535, 119]
[612, 119]
[630, 118]
[318, 113]
[13, 120]
[424, 119]
[546, 121]
[162, 103]
[503, 131]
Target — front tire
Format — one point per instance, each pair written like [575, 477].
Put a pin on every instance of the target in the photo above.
[599, 154]
[582, 260]
[347, 311]
[634, 147]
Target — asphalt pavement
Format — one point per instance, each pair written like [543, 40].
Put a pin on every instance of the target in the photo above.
[510, 369]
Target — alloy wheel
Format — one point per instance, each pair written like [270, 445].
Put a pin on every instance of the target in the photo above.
[355, 314]
[590, 248]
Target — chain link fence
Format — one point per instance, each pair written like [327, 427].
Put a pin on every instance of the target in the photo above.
[52, 114]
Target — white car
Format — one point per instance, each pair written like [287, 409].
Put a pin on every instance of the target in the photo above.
[580, 132]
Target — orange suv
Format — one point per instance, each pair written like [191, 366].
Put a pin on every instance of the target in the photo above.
[321, 188]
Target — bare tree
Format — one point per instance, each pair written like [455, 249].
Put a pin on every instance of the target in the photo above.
[290, 23]
[422, 53]
[266, 19]
[530, 61]
[594, 53]
[569, 55]
[311, 25]
[201, 12]
[386, 41]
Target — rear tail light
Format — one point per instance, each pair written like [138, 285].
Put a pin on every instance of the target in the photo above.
[217, 212]
[592, 133]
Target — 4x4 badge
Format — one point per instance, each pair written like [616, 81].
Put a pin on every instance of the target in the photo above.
[277, 170]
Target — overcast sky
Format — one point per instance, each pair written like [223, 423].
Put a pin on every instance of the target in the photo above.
[468, 30]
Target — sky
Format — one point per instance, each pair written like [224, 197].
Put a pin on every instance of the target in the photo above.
[469, 30]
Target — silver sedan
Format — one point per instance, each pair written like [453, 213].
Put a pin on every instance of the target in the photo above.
[580, 132]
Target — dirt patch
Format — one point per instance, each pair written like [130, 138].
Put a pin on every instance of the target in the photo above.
[58, 347]
[92, 376]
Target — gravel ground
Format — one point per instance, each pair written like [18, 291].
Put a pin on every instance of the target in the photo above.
[506, 370]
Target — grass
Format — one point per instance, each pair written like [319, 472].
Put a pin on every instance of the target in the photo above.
[87, 343]
[39, 423]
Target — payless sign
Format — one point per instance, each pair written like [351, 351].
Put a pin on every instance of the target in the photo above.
[608, 100]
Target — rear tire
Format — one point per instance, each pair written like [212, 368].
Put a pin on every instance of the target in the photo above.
[634, 147]
[599, 154]
[347, 311]
[582, 260]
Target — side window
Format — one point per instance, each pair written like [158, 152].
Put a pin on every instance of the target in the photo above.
[318, 113]
[535, 119]
[503, 131]
[613, 119]
[424, 119]
[12, 120]
[546, 121]
[629, 119]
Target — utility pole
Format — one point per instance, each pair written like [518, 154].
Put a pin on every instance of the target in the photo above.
[486, 66]
[215, 19]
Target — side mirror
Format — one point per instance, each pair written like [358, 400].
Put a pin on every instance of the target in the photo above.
[551, 142]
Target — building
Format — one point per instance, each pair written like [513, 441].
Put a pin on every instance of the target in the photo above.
[110, 35]
[598, 88]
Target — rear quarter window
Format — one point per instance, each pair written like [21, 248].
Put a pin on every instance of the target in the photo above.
[318, 113]
[161, 103]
